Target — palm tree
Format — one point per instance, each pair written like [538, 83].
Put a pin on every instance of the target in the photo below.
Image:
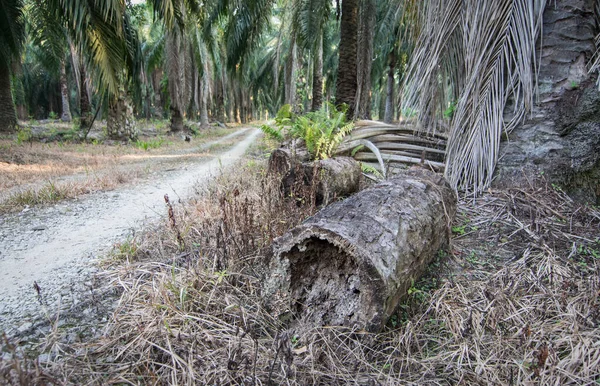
[11, 36]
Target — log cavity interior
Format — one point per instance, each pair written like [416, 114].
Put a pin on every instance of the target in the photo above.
[325, 284]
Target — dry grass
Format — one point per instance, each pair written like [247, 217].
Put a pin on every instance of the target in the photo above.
[517, 302]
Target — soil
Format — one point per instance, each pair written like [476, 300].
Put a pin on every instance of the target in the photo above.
[49, 255]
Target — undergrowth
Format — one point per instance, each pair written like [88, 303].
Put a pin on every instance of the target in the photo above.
[514, 301]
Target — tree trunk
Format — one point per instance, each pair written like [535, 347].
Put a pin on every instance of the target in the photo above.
[176, 120]
[121, 124]
[219, 100]
[366, 34]
[347, 70]
[562, 140]
[290, 75]
[8, 114]
[158, 105]
[84, 100]
[204, 99]
[353, 262]
[389, 95]
[317, 85]
[64, 92]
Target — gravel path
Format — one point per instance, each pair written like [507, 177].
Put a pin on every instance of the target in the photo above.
[56, 247]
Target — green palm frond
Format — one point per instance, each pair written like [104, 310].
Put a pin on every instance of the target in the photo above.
[481, 54]
[12, 30]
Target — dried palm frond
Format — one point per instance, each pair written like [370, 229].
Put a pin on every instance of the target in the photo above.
[480, 55]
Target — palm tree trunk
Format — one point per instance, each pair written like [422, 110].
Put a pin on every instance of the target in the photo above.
[84, 100]
[389, 95]
[64, 92]
[317, 85]
[366, 35]
[290, 75]
[8, 114]
[120, 124]
[204, 102]
[347, 75]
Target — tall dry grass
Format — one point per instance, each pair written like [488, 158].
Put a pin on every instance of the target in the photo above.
[516, 302]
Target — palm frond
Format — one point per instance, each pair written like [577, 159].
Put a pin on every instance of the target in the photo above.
[481, 54]
[12, 30]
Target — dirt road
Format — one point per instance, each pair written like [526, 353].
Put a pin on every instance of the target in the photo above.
[56, 247]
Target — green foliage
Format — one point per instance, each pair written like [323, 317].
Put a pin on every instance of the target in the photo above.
[322, 130]
[151, 144]
[23, 135]
[449, 112]
[53, 115]
[370, 169]
[275, 133]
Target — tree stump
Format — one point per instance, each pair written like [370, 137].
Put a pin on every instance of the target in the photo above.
[327, 179]
[352, 262]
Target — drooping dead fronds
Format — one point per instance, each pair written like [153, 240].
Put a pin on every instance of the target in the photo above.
[478, 56]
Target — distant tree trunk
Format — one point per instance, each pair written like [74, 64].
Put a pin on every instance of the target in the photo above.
[347, 70]
[158, 105]
[84, 100]
[176, 120]
[64, 92]
[389, 96]
[317, 85]
[290, 75]
[204, 104]
[366, 34]
[219, 100]
[8, 114]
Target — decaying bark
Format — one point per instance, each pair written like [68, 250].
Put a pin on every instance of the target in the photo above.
[352, 263]
[326, 179]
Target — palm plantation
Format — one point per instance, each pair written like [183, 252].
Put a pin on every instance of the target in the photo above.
[496, 101]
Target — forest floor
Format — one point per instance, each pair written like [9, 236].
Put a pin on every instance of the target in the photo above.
[100, 194]
[514, 300]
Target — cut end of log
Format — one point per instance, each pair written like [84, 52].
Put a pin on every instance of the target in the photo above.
[329, 285]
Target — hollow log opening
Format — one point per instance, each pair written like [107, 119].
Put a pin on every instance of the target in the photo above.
[325, 285]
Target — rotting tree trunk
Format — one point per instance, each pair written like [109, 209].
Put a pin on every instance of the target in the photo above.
[353, 262]
[326, 180]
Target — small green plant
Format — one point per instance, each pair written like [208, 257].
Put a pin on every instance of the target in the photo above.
[52, 115]
[322, 130]
[449, 112]
[147, 145]
[459, 230]
[574, 85]
[370, 170]
[23, 135]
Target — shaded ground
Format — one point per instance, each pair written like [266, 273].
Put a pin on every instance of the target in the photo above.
[54, 246]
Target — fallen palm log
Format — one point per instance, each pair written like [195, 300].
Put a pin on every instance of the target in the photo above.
[327, 179]
[284, 159]
[352, 263]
